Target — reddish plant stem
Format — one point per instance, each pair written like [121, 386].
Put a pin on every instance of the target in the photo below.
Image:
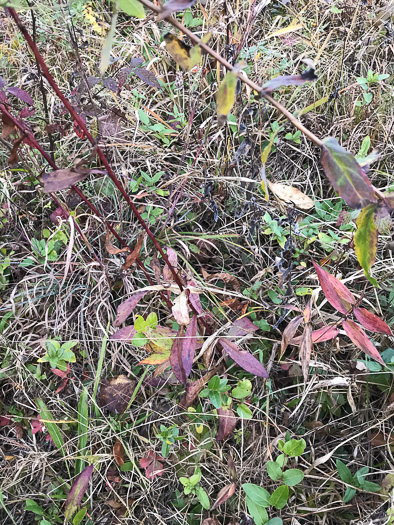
[20, 125]
[84, 128]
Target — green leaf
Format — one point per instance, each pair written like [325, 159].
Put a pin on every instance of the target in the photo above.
[132, 8]
[346, 175]
[274, 470]
[203, 497]
[366, 239]
[371, 486]
[144, 119]
[140, 324]
[214, 383]
[151, 320]
[279, 497]
[32, 506]
[215, 399]
[244, 411]
[53, 429]
[344, 472]
[364, 148]
[243, 389]
[274, 521]
[79, 516]
[184, 481]
[127, 467]
[294, 447]
[139, 340]
[349, 494]
[225, 96]
[292, 477]
[258, 513]
[280, 460]
[257, 494]
[83, 419]
[107, 46]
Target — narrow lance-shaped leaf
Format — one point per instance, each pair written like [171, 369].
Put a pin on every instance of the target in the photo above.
[225, 96]
[243, 358]
[189, 346]
[306, 350]
[346, 175]
[134, 254]
[318, 336]
[53, 429]
[109, 39]
[77, 491]
[176, 358]
[366, 239]
[61, 179]
[21, 94]
[288, 333]
[360, 339]
[127, 307]
[289, 80]
[224, 494]
[371, 321]
[335, 292]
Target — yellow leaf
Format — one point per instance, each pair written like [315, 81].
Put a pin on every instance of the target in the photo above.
[185, 56]
[225, 97]
[155, 359]
[294, 26]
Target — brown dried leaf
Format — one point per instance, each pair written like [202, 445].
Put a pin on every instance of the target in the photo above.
[115, 393]
[224, 494]
[14, 152]
[291, 195]
[226, 277]
[195, 388]
[155, 265]
[210, 521]
[173, 260]
[134, 254]
[288, 333]
[111, 248]
[227, 423]
[306, 346]
[118, 452]
[61, 179]
[8, 126]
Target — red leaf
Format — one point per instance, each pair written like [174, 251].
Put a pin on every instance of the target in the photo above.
[77, 491]
[3, 96]
[225, 493]
[242, 327]
[4, 421]
[27, 112]
[360, 339]
[58, 213]
[194, 298]
[21, 94]
[152, 465]
[288, 333]
[318, 336]
[126, 308]
[62, 373]
[176, 358]
[175, 5]
[2, 82]
[8, 126]
[306, 350]
[227, 423]
[336, 293]
[189, 346]
[371, 321]
[36, 425]
[243, 358]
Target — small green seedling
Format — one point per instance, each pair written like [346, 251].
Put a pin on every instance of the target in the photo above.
[365, 83]
[295, 137]
[191, 486]
[168, 436]
[358, 480]
[215, 388]
[259, 499]
[58, 355]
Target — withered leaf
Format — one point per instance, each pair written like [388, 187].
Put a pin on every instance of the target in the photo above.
[8, 126]
[173, 260]
[125, 334]
[224, 494]
[14, 152]
[147, 76]
[176, 358]
[118, 452]
[289, 332]
[175, 5]
[155, 265]
[291, 195]
[289, 80]
[306, 346]
[115, 393]
[226, 277]
[111, 248]
[123, 75]
[134, 254]
[227, 423]
[61, 179]
[193, 389]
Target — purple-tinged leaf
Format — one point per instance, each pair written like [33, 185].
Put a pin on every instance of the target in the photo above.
[3, 96]
[110, 83]
[371, 321]
[123, 75]
[58, 213]
[2, 82]
[136, 62]
[176, 358]
[77, 491]
[125, 334]
[346, 175]
[306, 346]
[61, 179]
[26, 112]
[242, 327]
[227, 423]
[127, 307]
[224, 494]
[360, 339]
[21, 94]
[289, 80]
[175, 5]
[319, 336]
[288, 333]
[243, 358]
[194, 299]
[336, 293]
[189, 346]
[92, 81]
[147, 76]
[389, 200]
[173, 260]
[366, 239]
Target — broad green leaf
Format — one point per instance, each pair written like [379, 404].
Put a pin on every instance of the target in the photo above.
[346, 175]
[107, 46]
[364, 148]
[139, 340]
[225, 96]
[366, 239]
[244, 411]
[79, 516]
[280, 460]
[292, 477]
[83, 419]
[279, 497]
[257, 494]
[344, 472]
[214, 383]
[294, 447]
[143, 117]
[215, 399]
[349, 494]
[132, 8]
[203, 497]
[53, 429]
[258, 513]
[275, 521]
[274, 470]
[371, 486]
[32, 506]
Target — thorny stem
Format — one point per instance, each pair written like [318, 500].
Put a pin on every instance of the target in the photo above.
[194, 38]
[44, 154]
[100, 153]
